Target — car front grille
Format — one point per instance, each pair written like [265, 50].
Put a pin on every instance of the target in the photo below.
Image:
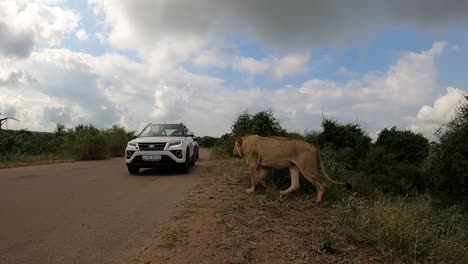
[152, 146]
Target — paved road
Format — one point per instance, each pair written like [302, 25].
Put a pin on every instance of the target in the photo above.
[84, 212]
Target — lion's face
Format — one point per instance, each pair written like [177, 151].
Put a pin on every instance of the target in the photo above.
[238, 150]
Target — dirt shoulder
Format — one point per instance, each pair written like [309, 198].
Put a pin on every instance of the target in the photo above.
[218, 223]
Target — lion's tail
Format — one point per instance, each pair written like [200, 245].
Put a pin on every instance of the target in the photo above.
[319, 157]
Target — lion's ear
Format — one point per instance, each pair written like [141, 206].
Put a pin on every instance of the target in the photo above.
[239, 140]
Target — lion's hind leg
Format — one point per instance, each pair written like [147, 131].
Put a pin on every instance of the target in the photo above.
[311, 175]
[295, 173]
[319, 186]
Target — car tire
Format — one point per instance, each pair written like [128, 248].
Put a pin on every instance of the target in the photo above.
[186, 166]
[192, 161]
[197, 154]
[133, 170]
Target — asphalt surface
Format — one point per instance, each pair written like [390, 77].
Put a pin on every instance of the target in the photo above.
[84, 212]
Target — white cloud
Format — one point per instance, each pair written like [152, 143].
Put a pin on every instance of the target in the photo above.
[211, 58]
[101, 37]
[250, 65]
[277, 68]
[430, 118]
[81, 34]
[289, 65]
[22, 23]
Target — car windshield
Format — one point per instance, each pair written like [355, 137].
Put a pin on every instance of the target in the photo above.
[163, 130]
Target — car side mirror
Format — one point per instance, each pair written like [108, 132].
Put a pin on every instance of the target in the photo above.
[190, 134]
[135, 134]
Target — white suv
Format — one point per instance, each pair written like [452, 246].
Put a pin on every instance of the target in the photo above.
[161, 145]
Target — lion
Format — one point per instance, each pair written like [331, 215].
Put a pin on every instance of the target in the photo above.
[264, 153]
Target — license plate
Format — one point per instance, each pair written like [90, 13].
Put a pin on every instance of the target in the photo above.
[151, 158]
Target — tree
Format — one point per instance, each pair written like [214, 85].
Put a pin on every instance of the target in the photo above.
[60, 130]
[262, 123]
[242, 124]
[404, 145]
[448, 172]
[341, 136]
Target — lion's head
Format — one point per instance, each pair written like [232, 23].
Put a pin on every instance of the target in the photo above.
[238, 150]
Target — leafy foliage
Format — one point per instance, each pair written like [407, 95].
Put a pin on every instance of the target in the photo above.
[116, 139]
[262, 123]
[403, 145]
[82, 142]
[23, 142]
[208, 142]
[342, 136]
[448, 168]
[85, 142]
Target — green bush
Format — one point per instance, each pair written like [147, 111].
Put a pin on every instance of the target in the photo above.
[262, 123]
[86, 143]
[345, 136]
[448, 171]
[384, 173]
[208, 142]
[25, 143]
[223, 147]
[403, 145]
[116, 139]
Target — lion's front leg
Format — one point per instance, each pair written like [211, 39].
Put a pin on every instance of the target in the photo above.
[253, 179]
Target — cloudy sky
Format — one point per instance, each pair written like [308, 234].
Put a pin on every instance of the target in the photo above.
[379, 63]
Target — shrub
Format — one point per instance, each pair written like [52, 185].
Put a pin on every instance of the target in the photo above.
[26, 143]
[345, 136]
[382, 172]
[208, 142]
[223, 147]
[86, 143]
[116, 139]
[403, 145]
[448, 171]
[262, 123]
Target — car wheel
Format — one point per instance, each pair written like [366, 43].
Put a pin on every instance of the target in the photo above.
[192, 161]
[186, 165]
[133, 169]
[197, 154]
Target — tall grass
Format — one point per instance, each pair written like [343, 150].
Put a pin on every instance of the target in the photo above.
[407, 229]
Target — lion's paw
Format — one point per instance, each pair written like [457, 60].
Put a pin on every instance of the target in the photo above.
[250, 190]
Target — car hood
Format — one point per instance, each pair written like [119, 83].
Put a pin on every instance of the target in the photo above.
[156, 139]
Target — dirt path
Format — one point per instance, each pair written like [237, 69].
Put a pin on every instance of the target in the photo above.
[84, 212]
[218, 223]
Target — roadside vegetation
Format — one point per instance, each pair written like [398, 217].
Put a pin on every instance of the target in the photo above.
[410, 197]
[83, 142]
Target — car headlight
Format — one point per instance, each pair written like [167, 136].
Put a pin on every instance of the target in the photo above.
[132, 145]
[175, 144]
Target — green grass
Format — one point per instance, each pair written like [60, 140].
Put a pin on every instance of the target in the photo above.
[173, 238]
[26, 160]
[327, 244]
[407, 229]
[219, 153]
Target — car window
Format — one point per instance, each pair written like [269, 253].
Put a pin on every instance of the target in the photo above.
[160, 130]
